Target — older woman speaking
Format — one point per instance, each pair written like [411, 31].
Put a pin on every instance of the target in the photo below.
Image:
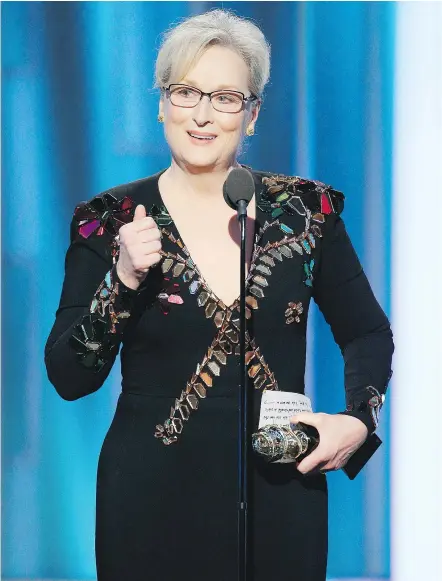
[153, 268]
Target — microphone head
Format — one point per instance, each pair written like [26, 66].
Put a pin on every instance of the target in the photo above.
[239, 185]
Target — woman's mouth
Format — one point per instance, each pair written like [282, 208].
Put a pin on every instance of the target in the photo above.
[201, 137]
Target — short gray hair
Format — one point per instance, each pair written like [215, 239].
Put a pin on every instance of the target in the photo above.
[183, 44]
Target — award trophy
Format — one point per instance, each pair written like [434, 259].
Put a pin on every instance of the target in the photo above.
[285, 443]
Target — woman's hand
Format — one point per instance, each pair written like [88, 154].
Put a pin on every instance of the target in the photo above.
[140, 244]
[339, 437]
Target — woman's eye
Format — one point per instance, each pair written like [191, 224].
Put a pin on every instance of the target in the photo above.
[225, 98]
[185, 92]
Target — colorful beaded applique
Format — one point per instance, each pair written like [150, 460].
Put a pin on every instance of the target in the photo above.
[308, 271]
[373, 404]
[224, 345]
[281, 197]
[290, 195]
[293, 312]
[170, 295]
[90, 341]
[104, 212]
[93, 337]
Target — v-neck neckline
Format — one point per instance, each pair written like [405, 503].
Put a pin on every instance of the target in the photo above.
[257, 225]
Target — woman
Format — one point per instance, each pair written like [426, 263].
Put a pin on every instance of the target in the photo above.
[153, 267]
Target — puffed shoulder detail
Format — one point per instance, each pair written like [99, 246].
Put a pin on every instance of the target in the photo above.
[105, 212]
[282, 193]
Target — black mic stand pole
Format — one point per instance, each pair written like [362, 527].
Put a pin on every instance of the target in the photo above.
[244, 508]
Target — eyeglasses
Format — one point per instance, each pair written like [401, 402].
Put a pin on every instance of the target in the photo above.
[223, 101]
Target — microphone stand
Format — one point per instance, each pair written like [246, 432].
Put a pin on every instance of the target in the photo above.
[244, 549]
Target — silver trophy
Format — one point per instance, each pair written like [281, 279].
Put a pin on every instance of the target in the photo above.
[283, 444]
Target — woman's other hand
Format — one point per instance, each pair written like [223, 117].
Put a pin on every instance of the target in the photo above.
[339, 437]
[140, 244]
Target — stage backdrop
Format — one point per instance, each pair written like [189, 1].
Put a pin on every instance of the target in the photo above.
[79, 116]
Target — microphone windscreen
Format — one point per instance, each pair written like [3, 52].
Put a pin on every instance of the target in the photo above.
[239, 185]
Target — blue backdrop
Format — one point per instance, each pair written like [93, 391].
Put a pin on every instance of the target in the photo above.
[79, 116]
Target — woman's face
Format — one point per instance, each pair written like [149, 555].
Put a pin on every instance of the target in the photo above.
[218, 68]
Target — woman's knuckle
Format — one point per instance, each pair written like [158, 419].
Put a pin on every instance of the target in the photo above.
[153, 258]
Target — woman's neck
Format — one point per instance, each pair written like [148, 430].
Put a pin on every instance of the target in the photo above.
[198, 184]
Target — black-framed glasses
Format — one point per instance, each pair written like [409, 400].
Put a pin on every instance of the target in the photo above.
[224, 100]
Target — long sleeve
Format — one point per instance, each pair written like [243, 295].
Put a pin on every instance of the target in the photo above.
[94, 310]
[358, 323]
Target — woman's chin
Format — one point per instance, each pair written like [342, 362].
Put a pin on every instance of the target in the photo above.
[200, 161]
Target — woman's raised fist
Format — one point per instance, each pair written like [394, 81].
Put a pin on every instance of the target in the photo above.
[140, 244]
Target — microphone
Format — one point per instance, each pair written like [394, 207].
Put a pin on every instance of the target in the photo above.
[238, 190]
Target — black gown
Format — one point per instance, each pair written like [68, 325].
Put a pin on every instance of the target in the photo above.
[167, 473]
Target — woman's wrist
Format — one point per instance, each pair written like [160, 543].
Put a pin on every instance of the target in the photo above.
[130, 281]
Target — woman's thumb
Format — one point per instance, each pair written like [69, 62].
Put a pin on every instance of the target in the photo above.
[140, 212]
[306, 418]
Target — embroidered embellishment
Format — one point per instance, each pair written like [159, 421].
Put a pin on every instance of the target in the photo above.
[90, 341]
[308, 270]
[170, 295]
[290, 194]
[104, 212]
[93, 337]
[265, 258]
[326, 204]
[160, 215]
[318, 217]
[280, 198]
[105, 301]
[373, 404]
[293, 312]
[258, 369]
[225, 343]
[222, 346]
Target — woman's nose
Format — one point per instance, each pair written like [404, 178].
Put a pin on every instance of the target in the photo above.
[203, 112]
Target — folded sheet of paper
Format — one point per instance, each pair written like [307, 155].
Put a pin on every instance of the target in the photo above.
[277, 407]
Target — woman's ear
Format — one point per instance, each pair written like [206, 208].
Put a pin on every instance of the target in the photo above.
[252, 115]
[255, 110]
[161, 107]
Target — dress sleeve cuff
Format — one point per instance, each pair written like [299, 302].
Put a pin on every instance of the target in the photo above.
[130, 292]
[366, 406]
[364, 417]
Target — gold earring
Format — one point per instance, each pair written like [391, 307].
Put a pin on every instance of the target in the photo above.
[250, 130]
[160, 118]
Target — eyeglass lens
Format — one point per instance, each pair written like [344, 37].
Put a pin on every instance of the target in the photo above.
[225, 101]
